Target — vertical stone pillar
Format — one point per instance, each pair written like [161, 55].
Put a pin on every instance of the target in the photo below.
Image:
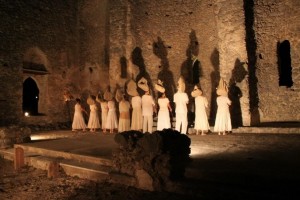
[19, 158]
[121, 41]
[230, 20]
[53, 169]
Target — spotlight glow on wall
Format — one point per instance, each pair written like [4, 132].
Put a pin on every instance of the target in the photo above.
[26, 114]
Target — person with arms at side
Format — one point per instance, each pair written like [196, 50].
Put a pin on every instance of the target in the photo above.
[111, 120]
[163, 117]
[93, 123]
[136, 104]
[201, 103]
[148, 106]
[223, 119]
[181, 100]
[78, 120]
[104, 111]
[124, 106]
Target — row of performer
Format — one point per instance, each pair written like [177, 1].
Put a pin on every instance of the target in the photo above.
[144, 107]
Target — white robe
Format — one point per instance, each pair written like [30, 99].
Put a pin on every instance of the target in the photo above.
[137, 117]
[94, 117]
[124, 120]
[163, 119]
[104, 111]
[78, 120]
[201, 121]
[111, 121]
[223, 119]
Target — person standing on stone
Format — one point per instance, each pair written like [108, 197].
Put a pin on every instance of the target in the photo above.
[181, 100]
[201, 103]
[104, 111]
[136, 104]
[78, 120]
[223, 119]
[93, 122]
[111, 121]
[163, 118]
[124, 119]
[148, 106]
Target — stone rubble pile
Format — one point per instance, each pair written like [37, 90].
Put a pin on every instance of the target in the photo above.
[155, 160]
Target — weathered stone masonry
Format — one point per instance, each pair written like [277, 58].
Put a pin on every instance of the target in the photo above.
[84, 44]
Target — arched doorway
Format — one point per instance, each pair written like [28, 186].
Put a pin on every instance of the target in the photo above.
[30, 97]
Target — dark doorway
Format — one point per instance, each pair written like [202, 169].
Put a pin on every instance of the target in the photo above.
[30, 97]
[284, 64]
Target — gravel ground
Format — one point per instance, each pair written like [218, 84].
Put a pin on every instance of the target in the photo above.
[33, 184]
[242, 167]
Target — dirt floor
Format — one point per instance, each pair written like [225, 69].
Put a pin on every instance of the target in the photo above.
[245, 166]
[33, 184]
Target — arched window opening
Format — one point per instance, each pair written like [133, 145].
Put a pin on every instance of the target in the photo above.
[30, 97]
[284, 64]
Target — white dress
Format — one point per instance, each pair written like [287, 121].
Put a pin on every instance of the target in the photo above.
[104, 111]
[163, 119]
[137, 117]
[78, 120]
[111, 121]
[124, 121]
[94, 117]
[201, 121]
[223, 120]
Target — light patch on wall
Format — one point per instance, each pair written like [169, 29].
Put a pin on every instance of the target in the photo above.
[37, 56]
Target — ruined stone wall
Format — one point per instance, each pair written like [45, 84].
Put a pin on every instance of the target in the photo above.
[67, 38]
[48, 27]
[94, 43]
[157, 39]
[166, 33]
[233, 57]
[276, 21]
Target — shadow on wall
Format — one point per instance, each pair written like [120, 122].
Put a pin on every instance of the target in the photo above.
[165, 75]
[251, 47]
[191, 71]
[123, 64]
[214, 77]
[238, 74]
[138, 60]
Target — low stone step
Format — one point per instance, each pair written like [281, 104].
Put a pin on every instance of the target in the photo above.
[85, 170]
[65, 155]
[73, 168]
[7, 154]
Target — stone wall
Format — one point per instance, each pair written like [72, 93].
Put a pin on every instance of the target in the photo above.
[67, 38]
[277, 21]
[233, 64]
[157, 39]
[84, 46]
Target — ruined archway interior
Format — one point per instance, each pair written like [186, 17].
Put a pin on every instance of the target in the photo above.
[30, 97]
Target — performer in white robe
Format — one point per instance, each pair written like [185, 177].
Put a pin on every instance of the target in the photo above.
[78, 120]
[136, 104]
[163, 118]
[104, 110]
[223, 119]
[124, 120]
[111, 121]
[201, 103]
[93, 122]
[148, 106]
[181, 100]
